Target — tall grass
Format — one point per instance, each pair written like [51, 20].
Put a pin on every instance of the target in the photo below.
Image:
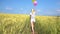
[20, 24]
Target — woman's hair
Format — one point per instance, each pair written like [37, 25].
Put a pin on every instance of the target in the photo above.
[33, 10]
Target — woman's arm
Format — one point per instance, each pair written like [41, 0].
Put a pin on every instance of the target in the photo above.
[30, 17]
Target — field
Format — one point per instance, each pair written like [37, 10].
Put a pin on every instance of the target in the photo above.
[20, 24]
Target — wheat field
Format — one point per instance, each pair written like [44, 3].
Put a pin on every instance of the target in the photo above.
[20, 24]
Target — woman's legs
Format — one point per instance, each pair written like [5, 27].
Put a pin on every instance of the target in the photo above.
[32, 25]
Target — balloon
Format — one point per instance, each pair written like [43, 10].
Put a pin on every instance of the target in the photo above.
[35, 3]
[33, 0]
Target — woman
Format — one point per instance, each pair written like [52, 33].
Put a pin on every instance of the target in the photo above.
[32, 20]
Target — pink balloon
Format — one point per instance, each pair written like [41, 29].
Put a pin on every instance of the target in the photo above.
[35, 3]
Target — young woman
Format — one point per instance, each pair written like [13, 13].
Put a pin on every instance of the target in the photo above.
[32, 20]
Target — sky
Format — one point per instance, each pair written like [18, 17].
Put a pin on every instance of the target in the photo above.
[44, 7]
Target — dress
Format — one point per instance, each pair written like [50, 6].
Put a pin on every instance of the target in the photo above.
[32, 17]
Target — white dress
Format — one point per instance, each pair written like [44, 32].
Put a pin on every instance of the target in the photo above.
[32, 17]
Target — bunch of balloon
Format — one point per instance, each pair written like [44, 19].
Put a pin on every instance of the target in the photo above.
[34, 2]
